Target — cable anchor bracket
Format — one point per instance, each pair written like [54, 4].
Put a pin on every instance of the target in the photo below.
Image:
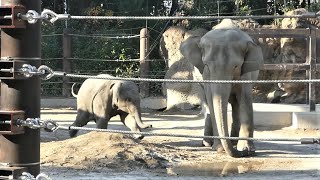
[9, 16]
[310, 141]
[37, 123]
[33, 16]
[8, 122]
[51, 16]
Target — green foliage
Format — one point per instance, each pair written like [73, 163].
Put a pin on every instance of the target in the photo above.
[87, 50]
[243, 11]
[315, 7]
[258, 7]
[205, 7]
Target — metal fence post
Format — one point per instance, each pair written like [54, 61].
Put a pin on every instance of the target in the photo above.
[22, 150]
[66, 65]
[312, 60]
[144, 61]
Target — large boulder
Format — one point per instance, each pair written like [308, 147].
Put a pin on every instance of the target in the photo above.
[180, 95]
[183, 95]
[170, 44]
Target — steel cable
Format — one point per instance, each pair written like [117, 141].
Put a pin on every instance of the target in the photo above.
[183, 135]
[188, 81]
[310, 15]
[32, 17]
[46, 73]
[51, 126]
[106, 37]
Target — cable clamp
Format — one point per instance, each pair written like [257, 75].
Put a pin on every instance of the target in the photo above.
[310, 140]
[28, 70]
[33, 16]
[28, 176]
[51, 16]
[37, 123]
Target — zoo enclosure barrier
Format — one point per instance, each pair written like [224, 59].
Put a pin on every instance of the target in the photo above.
[52, 126]
[310, 66]
[14, 69]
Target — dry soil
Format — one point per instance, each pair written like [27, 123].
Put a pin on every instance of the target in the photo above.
[96, 155]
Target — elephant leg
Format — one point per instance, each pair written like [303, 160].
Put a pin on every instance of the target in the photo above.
[246, 119]
[217, 146]
[208, 131]
[235, 123]
[102, 123]
[82, 119]
[130, 122]
[208, 128]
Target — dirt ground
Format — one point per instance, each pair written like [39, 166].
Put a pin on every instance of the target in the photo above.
[96, 155]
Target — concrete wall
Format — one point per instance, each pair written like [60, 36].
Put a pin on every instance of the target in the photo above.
[267, 115]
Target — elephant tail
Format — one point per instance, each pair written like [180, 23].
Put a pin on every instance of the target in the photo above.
[72, 92]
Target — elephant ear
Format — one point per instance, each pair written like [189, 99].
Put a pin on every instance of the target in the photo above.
[192, 52]
[253, 59]
[115, 89]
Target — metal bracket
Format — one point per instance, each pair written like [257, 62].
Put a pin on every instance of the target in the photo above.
[9, 18]
[9, 69]
[11, 172]
[8, 122]
[310, 140]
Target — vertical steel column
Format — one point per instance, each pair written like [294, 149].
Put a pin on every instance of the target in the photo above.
[144, 63]
[22, 150]
[308, 58]
[313, 70]
[66, 65]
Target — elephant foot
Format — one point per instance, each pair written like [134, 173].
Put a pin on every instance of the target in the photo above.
[207, 142]
[218, 147]
[138, 136]
[246, 147]
[145, 126]
[73, 133]
[234, 142]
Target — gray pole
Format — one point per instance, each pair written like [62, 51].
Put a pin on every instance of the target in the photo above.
[23, 149]
[66, 65]
[218, 10]
[65, 3]
[275, 7]
[144, 63]
[312, 55]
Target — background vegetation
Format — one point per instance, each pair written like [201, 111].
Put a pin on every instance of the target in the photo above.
[92, 55]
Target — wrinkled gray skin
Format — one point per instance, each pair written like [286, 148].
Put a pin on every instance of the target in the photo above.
[100, 99]
[226, 53]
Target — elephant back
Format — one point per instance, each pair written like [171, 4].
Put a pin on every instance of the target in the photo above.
[89, 91]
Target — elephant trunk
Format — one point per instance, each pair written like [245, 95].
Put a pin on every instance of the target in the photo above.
[137, 117]
[221, 93]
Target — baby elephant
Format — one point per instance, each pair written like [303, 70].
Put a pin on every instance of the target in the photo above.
[100, 99]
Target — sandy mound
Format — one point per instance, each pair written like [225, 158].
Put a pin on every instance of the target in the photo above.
[101, 150]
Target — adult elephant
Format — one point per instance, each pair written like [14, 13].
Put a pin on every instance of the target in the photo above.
[101, 99]
[227, 53]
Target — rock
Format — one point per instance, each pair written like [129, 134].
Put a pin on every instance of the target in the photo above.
[180, 95]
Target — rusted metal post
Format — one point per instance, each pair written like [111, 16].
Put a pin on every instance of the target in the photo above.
[144, 61]
[66, 65]
[22, 150]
